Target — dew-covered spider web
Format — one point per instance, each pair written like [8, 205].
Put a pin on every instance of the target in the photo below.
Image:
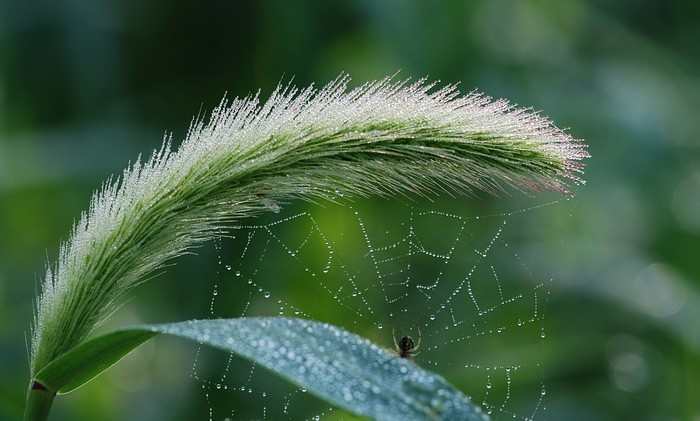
[456, 283]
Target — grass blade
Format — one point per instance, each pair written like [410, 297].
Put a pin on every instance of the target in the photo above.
[336, 365]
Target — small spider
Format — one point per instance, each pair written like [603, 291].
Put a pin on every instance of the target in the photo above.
[405, 347]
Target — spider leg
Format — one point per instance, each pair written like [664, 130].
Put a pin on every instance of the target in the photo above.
[393, 336]
[420, 339]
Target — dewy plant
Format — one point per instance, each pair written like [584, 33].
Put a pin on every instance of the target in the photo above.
[383, 138]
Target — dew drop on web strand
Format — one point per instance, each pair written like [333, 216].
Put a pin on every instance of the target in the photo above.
[390, 256]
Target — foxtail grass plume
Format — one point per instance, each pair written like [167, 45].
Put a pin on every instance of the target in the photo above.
[383, 138]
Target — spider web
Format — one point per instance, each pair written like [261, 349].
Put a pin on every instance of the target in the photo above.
[456, 284]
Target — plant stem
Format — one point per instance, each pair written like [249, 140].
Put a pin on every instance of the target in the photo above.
[39, 400]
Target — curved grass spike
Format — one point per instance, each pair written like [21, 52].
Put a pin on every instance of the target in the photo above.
[383, 138]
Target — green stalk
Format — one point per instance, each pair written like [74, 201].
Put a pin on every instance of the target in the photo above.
[39, 401]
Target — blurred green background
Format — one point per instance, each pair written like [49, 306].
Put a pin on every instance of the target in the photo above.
[87, 86]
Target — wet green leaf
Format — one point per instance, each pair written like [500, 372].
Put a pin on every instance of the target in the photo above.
[337, 366]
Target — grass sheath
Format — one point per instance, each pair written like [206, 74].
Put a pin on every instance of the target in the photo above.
[39, 400]
[383, 138]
